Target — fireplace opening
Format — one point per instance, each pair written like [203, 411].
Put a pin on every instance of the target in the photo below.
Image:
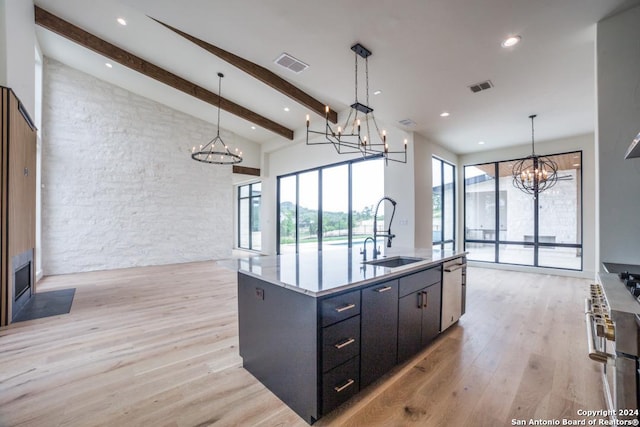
[22, 266]
[22, 280]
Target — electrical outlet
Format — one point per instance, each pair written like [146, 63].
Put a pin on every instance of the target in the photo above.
[260, 293]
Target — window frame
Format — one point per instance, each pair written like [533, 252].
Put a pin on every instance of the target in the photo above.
[320, 169]
[443, 241]
[536, 244]
[251, 213]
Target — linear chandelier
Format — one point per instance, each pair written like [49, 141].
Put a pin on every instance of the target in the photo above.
[356, 134]
[534, 174]
[216, 151]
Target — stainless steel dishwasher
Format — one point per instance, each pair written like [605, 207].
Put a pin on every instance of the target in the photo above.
[453, 291]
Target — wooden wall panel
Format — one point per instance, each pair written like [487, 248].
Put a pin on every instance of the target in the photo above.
[4, 170]
[18, 193]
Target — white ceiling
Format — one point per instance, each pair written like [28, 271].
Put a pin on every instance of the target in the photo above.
[425, 55]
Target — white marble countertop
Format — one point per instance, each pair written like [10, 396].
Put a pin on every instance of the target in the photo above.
[325, 272]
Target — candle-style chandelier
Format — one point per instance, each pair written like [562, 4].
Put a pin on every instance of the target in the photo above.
[360, 125]
[534, 174]
[216, 151]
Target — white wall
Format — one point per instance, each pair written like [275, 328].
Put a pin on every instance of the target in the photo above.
[299, 156]
[17, 44]
[618, 122]
[584, 143]
[120, 187]
[423, 194]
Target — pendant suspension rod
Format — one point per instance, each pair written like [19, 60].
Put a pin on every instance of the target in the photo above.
[533, 150]
[220, 76]
[366, 73]
[356, 75]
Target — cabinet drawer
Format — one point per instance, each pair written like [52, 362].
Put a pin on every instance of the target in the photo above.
[339, 384]
[416, 281]
[340, 342]
[340, 307]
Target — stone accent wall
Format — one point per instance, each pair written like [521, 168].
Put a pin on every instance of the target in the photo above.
[119, 186]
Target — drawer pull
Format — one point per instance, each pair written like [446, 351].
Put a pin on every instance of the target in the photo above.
[345, 308]
[344, 343]
[348, 384]
[385, 289]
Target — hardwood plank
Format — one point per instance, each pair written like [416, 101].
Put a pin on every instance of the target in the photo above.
[83, 38]
[159, 346]
[260, 73]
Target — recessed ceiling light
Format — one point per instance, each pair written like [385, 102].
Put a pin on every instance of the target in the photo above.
[286, 109]
[511, 41]
[122, 21]
[444, 114]
[377, 92]
[480, 142]
[253, 128]
[108, 65]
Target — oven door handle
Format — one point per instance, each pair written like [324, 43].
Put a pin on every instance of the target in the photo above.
[594, 353]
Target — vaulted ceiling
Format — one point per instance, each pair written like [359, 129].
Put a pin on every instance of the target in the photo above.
[425, 55]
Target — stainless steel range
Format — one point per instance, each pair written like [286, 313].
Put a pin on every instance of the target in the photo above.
[613, 336]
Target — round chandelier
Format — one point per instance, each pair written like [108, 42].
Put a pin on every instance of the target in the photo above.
[534, 174]
[216, 151]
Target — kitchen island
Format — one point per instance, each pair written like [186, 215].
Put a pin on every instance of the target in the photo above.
[316, 327]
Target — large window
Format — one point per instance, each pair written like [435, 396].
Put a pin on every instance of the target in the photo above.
[331, 206]
[249, 233]
[444, 204]
[506, 225]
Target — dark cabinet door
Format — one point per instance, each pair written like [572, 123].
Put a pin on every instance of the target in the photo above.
[431, 313]
[410, 325]
[418, 320]
[379, 331]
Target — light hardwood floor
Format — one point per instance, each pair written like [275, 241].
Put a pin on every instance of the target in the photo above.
[158, 346]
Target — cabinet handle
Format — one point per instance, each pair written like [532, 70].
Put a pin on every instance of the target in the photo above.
[344, 343]
[420, 299]
[426, 299]
[385, 289]
[345, 308]
[348, 384]
[454, 267]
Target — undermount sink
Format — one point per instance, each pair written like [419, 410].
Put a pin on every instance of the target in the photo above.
[395, 261]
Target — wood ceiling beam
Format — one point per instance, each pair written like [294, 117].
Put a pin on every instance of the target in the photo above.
[269, 78]
[104, 48]
[246, 170]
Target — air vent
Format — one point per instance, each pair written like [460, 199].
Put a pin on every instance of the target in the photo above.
[481, 86]
[407, 122]
[289, 62]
